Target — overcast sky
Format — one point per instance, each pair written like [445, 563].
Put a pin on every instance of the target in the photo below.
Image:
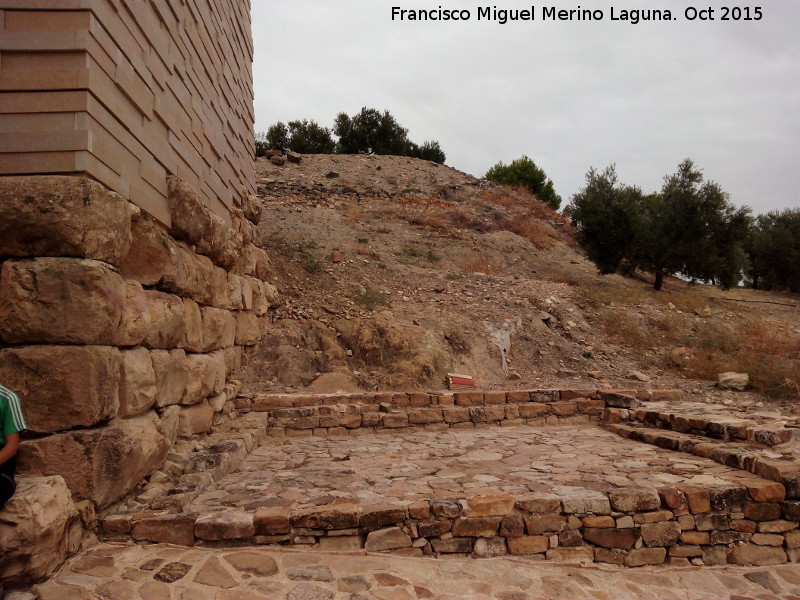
[571, 95]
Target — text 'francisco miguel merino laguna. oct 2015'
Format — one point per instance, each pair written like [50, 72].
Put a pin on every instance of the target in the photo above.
[554, 13]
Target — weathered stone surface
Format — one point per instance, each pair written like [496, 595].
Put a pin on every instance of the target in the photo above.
[544, 524]
[476, 526]
[225, 525]
[620, 398]
[311, 573]
[733, 381]
[489, 505]
[62, 387]
[381, 514]
[252, 562]
[213, 574]
[611, 537]
[171, 374]
[54, 215]
[389, 538]
[248, 328]
[219, 329]
[271, 521]
[193, 222]
[540, 503]
[634, 499]
[577, 500]
[579, 554]
[137, 384]
[150, 245]
[69, 301]
[308, 591]
[172, 572]
[40, 527]
[102, 465]
[335, 516]
[206, 376]
[167, 320]
[454, 545]
[531, 544]
[512, 525]
[193, 276]
[645, 556]
[434, 528]
[168, 529]
[490, 547]
[752, 554]
[448, 508]
[762, 490]
[763, 511]
[663, 534]
[194, 419]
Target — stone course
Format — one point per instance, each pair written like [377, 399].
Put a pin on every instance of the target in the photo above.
[120, 345]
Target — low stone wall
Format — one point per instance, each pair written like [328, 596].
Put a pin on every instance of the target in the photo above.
[301, 415]
[750, 524]
[121, 336]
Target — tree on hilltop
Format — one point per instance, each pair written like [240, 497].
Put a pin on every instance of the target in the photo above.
[305, 137]
[689, 228]
[523, 171]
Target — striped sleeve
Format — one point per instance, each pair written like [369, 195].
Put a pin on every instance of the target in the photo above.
[16, 419]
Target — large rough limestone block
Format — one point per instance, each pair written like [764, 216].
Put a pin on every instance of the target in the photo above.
[39, 528]
[195, 419]
[167, 320]
[251, 206]
[137, 385]
[254, 261]
[172, 375]
[338, 516]
[733, 381]
[62, 387]
[193, 276]
[69, 301]
[248, 328]
[170, 421]
[102, 465]
[63, 216]
[146, 258]
[219, 329]
[265, 295]
[193, 222]
[611, 537]
[206, 376]
[192, 340]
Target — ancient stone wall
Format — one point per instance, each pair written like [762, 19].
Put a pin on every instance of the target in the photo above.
[120, 335]
[130, 93]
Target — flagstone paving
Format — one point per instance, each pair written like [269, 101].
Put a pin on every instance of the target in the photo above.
[290, 472]
[159, 572]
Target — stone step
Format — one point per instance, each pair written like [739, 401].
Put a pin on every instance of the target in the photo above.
[750, 523]
[752, 457]
[709, 425]
[348, 414]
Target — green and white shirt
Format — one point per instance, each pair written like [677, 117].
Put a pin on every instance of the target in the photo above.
[11, 419]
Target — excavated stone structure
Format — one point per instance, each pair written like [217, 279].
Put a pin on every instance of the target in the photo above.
[130, 280]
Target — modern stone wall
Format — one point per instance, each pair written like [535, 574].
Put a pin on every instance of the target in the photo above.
[118, 334]
[130, 93]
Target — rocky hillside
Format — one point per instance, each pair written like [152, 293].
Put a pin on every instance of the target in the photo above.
[394, 271]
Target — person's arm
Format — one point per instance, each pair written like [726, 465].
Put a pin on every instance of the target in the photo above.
[10, 449]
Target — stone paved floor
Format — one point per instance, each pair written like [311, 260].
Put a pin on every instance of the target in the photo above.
[405, 466]
[157, 572]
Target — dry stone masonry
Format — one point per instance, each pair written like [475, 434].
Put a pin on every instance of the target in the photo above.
[118, 344]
